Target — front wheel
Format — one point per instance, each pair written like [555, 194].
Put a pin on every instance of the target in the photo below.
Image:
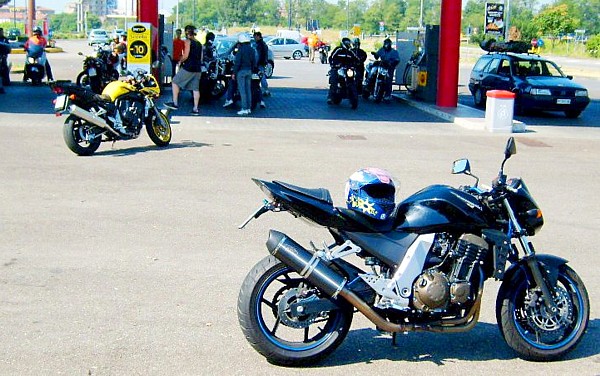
[267, 321]
[297, 55]
[159, 128]
[530, 328]
[81, 137]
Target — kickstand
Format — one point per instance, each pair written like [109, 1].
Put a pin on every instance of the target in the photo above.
[394, 334]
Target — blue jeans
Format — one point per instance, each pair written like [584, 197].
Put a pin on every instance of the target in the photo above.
[244, 81]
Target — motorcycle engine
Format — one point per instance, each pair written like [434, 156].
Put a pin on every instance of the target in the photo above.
[431, 291]
[131, 114]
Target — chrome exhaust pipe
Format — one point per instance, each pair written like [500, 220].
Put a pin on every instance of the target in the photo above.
[316, 271]
[91, 118]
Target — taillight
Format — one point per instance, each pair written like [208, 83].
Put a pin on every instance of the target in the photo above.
[58, 90]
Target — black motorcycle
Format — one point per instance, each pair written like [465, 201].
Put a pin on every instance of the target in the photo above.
[324, 52]
[376, 75]
[97, 71]
[120, 113]
[425, 270]
[214, 82]
[343, 85]
[35, 65]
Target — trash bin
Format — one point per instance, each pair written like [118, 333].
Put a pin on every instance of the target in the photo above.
[499, 111]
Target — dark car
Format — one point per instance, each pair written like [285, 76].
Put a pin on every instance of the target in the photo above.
[538, 83]
[226, 44]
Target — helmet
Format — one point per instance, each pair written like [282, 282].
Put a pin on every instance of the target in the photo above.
[387, 44]
[371, 191]
[243, 38]
[346, 43]
[356, 42]
[37, 30]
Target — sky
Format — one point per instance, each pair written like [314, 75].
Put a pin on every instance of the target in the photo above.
[59, 5]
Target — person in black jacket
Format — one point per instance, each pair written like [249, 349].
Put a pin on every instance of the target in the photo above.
[361, 55]
[342, 56]
[263, 59]
[244, 65]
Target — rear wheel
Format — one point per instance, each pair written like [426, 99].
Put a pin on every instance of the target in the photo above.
[159, 129]
[81, 137]
[267, 321]
[533, 330]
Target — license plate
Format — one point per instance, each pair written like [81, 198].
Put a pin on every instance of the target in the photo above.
[92, 72]
[61, 103]
[563, 101]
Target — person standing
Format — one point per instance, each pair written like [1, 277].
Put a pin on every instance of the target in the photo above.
[178, 46]
[190, 71]
[361, 55]
[313, 42]
[36, 45]
[390, 58]
[263, 59]
[245, 63]
[4, 70]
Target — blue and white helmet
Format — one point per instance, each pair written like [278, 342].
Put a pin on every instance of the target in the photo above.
[371, 191]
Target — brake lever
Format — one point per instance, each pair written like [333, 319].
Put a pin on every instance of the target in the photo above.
[266, 206]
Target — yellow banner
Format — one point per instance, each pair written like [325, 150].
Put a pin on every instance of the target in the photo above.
[139, 50]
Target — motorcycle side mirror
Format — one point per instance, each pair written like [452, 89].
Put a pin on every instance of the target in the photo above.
[461, 166]
[511, 148]
[80, 53]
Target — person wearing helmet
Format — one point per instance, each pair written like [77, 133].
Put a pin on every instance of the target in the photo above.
[390, 58]
[361, 55]
[313, 42]
[342, 55]
[190, 71]
[371, 192]
[35, 46]
[244, 65]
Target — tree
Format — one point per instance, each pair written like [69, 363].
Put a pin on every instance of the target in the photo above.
[555, 20]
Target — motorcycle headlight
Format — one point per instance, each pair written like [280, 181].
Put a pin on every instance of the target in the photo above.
[342, 72]
[31, 60]
[350, 73]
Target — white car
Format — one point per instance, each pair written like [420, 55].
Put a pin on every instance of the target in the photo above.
[98, 36]
[287, 48]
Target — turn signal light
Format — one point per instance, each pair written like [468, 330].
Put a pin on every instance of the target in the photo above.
[72, 97]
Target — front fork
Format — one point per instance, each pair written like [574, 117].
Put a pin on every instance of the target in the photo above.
[532, 262]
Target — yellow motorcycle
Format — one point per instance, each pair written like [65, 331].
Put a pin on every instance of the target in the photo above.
[119, 113]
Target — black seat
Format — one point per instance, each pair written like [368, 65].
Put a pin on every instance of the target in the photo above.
[320, 194]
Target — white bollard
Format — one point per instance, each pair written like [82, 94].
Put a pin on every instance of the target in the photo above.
[499, 111]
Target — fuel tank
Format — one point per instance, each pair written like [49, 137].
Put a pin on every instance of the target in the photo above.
[441, 208]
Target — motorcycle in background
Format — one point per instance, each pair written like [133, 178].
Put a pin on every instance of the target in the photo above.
[425, 268]
[120, 113]
[323, 50]
[97, 71]
[35, 64]
[215, 80]
[344, 87]
[376, 74]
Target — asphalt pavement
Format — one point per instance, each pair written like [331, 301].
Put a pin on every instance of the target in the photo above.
[129, 262]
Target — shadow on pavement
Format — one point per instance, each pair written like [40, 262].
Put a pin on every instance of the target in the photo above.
[482, 343]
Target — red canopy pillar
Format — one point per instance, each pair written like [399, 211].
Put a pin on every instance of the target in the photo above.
[447, 90]
[147, 11]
